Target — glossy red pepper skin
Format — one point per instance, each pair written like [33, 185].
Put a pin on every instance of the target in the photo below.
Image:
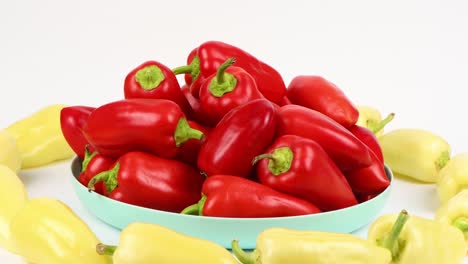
[284, 101]
[215, 104]
[368, 138]
[72, 121]
[212, 54]
[151, 125]
[233, 196]
[189, 150]
[317, 93]
[141, 83]
[300, 167]
[365, 197]
[243, 133]
[345, 149]
[369, 180]
[94, 164]
[142, 179]
[196, 114]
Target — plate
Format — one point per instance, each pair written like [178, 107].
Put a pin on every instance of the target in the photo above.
[223, 230]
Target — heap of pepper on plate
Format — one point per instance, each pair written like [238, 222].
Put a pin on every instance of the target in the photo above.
[232, 131]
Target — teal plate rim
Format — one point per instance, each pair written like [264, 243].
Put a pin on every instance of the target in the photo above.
[211, 228]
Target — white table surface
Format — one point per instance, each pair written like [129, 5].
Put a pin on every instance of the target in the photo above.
[407, 57]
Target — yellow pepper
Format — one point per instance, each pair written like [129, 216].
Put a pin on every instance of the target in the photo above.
[143, 243]
[13, 197]
[371, 118]
[40, 139]
[9, 152]
[46, 231]
[280, 246]
[418, 240]
[415, 153]
[455, 212]
[453, 178]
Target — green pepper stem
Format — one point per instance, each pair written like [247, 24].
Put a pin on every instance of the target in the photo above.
[262, 156]
[149, 77]
[109, 178]
[195, 209]
[103, 249]
[191, 210]
[462, 224]
[442, 160]
[222, 69]
[241, 255]
[391, 241]
[103, 176]
[380, 125]
[182, 69]
[224, 82]
[280, 160]
[193, 68]
[87, 158]
[184, 132]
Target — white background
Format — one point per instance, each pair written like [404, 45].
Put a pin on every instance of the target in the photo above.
[407, 57]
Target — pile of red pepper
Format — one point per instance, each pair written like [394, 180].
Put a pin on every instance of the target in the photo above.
[232, 141]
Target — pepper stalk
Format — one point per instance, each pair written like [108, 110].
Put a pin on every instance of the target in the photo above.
[392, 241]
[417, 239]
[455, 212]
[193, 68]
[224, 82]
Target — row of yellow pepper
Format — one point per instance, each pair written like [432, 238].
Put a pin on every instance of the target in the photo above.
[57, 235]
[422, 156]
[426, 157]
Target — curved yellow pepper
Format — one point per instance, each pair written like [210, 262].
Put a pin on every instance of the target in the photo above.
[455, 212]
[453, 178]
[280, 246]
[370, 117]
[40, 139]
[415, 153]
[13, 197]
[46, 231]
[142, 243]
[418, 240]
[10, 155]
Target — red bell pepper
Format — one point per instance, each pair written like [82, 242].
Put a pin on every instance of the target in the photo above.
[317, 93]
[72, 121]
[284, 101]
[243, 133]
[369, 180]
[228, 88]
[94, 163]
[345, 149]
[300, 167]
[189, 150]
[196, 114]
[365, 197]
[154, 80]
[211, 54]
[142, 179]
[368, 136]
[233, 196]
[157, 126]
